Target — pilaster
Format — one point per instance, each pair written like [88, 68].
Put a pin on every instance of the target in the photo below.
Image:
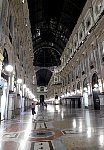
[1, 91]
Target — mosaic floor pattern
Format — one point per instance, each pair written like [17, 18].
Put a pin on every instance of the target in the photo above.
[55, 128]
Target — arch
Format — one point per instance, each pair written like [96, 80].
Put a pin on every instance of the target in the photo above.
[85, 82]
[78, 85]
[95, 92]
[94, 79]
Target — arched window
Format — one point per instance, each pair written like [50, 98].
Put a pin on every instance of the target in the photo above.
[94, 79]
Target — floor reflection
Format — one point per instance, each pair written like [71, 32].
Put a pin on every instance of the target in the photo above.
[73, 128]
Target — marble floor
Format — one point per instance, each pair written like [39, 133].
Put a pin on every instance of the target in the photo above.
[54, 128]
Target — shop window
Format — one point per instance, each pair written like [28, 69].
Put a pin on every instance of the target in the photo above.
[85, 82]
[80, 35]
[83, 72]
[88, 23]
[75, 44]
[10, 38]
[92, 66]
[76, 77]
[10, 24]
[78, 86]
[18, 56]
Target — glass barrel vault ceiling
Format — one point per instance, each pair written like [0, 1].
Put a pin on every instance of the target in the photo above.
[52, 22]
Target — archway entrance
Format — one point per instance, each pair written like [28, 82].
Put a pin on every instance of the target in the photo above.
[41, 99]
[78, 100]
[95, 92]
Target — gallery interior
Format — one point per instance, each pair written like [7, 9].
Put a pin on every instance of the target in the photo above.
[52, 55]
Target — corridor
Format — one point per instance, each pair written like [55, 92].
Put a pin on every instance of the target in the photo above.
[54, 128]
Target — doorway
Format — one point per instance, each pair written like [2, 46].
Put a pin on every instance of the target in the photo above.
[41, 98]
[95, 92]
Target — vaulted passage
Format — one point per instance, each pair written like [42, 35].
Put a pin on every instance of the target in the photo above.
[52, 22]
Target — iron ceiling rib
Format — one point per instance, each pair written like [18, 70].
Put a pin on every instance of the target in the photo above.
[48, 55]
[41, 45]
[47, 48]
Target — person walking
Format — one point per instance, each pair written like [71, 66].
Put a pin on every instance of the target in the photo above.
[33, 109]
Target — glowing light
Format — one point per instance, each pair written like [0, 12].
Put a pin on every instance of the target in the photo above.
[72, 93]
[63, 96]
[96, 86]
[9, 68]
[24, 86]
[23, 1]
[78, 91]
[19, 81]
[85, 89]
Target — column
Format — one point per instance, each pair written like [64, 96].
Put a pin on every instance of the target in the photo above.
[7, 98]
[11, 82]
[18, 101]
[1, 91]
[1, 2]
[1, 56]
[11, 97]
[23, 97]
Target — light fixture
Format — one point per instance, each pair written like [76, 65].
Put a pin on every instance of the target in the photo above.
[26, 24]
[24, 86]
[23, 1]
[88, 33]
[27, 89]
[85, 88]
[9, 68]
[78, 91]
[72, 93]
[19, 80]
[96, 86]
